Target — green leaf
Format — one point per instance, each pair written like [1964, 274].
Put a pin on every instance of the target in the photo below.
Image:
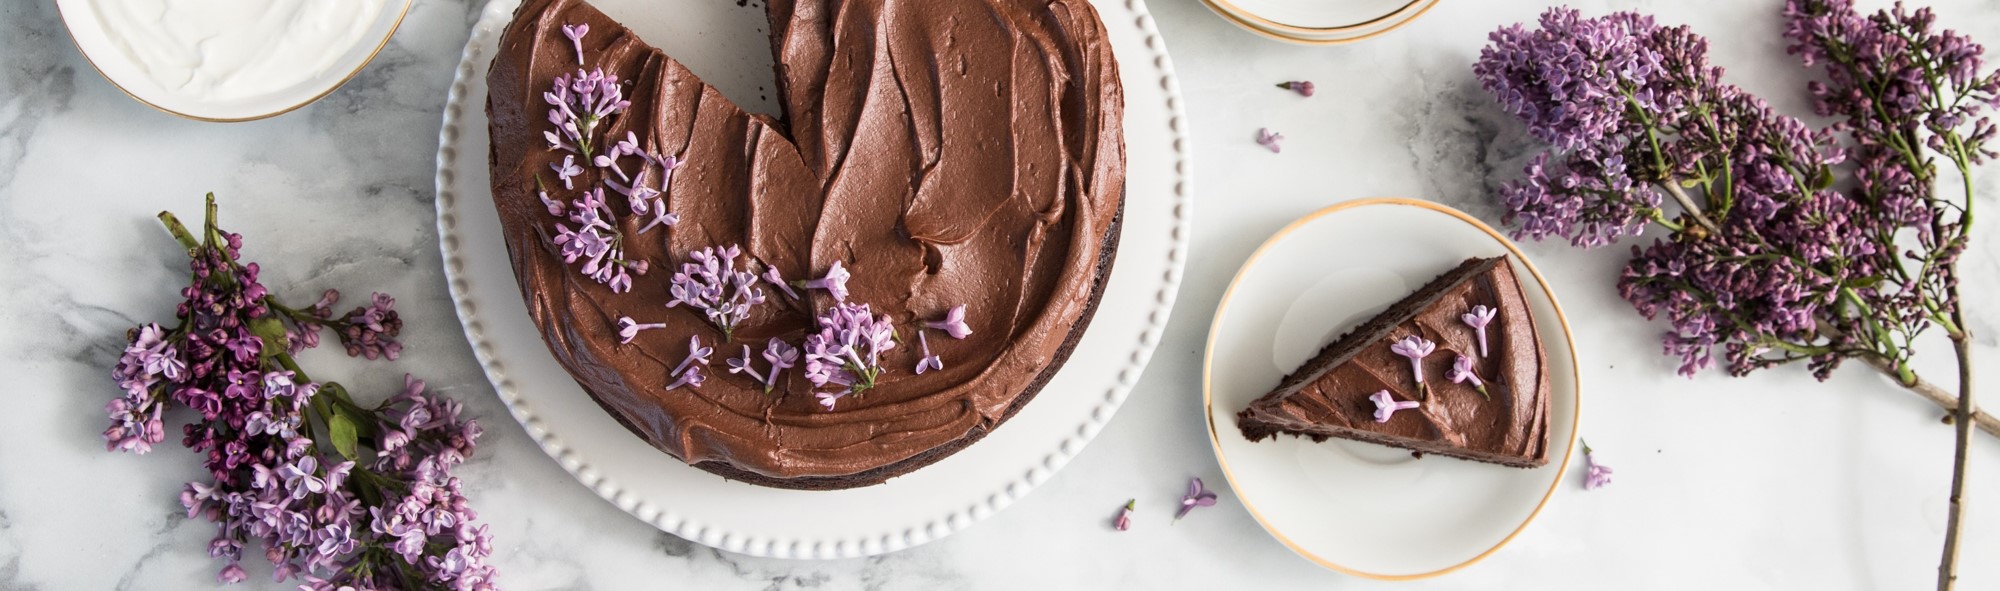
[344, 435]
[272, 332]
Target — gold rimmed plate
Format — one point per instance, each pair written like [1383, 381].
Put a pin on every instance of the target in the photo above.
[1334, 22]
[230, 61]
[1359, 508]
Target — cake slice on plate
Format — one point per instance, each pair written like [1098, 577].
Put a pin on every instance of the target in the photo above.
[1455, 369]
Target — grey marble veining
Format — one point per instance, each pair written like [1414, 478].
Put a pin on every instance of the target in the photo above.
[1771, 481]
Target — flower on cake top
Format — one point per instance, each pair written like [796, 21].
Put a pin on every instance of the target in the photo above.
[1478, 318]
[1461, 372]
[827, 399]
[781, 355]
[1124, 520]
[712, 283]
[575, 34]
[928, 361]
[628, 328]
[745, 364]
[596, 241]
[696, 354]
[567, 171]
[1415, 348]
[953, 323]
[1197, 496]
[577, 104]
[773, 277]
[1387, 405]
[847, 350]
[835, 282]
[688, 373]
[1303, 87]
[1269, 139]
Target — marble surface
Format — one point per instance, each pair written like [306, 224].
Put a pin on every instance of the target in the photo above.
[1771, 481]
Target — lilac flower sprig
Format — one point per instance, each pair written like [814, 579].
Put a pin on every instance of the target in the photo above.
[716, 284]
[846, 353]
[1770, 260]
[334, 493]
[1786, 243]
[596, 241]
[367, 331]
[578, 103]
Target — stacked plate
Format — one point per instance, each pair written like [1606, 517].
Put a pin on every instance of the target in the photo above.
[1319, 22]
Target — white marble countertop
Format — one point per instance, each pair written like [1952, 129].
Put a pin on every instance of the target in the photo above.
[1771, 481]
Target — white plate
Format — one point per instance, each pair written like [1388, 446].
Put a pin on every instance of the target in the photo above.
[912, 509]
[1331, 23]
[1358, 508]
[102, 47]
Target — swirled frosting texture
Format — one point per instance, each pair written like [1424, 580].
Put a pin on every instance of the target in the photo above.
[945, 152]
[1328, 396]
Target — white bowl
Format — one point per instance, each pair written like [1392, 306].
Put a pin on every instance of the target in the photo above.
[229, 60]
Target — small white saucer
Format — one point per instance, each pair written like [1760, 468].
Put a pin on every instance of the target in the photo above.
[1358, 508]
[123, 42]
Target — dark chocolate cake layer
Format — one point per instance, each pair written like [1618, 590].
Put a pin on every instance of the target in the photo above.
[964, 152]
[1330, 395]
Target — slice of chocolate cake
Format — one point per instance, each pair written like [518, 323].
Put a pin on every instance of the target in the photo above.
[1455, 369]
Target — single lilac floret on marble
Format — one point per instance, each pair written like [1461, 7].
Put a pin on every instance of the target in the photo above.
[1270, 139]
[1197, 496]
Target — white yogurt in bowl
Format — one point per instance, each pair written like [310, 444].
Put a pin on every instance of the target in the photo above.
[230, 60]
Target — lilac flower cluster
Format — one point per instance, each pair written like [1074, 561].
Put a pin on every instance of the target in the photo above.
[713, 282]
[1898, 87]
[579, 103]
[596, 240]
[847, 351]
[1769, 260]
[289, 460]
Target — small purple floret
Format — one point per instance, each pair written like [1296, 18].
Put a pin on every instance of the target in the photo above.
[1415, 348]
[953, 323]
[1387, 405]
[1478, 318]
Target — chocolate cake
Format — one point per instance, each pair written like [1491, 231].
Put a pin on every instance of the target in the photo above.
[1485, 402]
[942, 193]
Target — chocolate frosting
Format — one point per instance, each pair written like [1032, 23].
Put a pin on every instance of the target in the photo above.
[1329, 396]
[944, 152]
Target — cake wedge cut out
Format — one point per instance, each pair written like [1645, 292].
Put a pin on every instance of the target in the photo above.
[1416, 376]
